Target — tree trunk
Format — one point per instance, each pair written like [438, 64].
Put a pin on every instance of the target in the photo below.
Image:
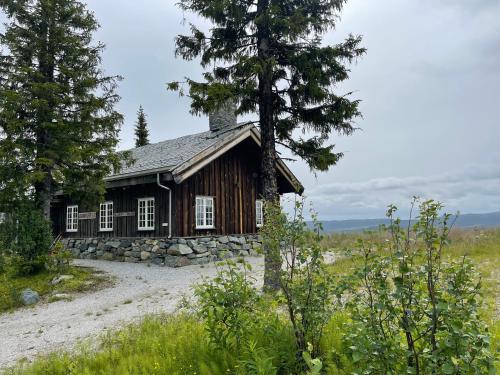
[266, 117]
[46, 68]
[43, 195]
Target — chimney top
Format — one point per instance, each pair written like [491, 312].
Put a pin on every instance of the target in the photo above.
[223, 117]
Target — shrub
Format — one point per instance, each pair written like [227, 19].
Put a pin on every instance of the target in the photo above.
[59, 258]
[227, 305]
[413, 313]
[241, 321]
[28, 237]
[307, 287]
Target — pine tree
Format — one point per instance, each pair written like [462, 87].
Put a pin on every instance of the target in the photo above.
[58, 125]
[141, 129]
[268, 55]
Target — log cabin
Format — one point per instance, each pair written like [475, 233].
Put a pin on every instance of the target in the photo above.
[198, 185]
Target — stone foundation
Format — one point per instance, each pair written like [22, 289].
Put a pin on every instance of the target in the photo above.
[175, 252]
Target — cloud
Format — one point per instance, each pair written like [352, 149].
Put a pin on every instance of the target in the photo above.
[473, 188]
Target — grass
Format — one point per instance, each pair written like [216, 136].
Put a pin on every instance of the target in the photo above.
[179, 344]
[84, 280]
[482, 246]
[158, 345]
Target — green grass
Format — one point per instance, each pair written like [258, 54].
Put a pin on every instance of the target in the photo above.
[179, 344]
[479, 245]
[158, 345]
[84, 280]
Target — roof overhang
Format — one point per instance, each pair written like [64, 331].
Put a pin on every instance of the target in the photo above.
[185, 170]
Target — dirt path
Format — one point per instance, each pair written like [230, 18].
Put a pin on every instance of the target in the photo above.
[139, 290]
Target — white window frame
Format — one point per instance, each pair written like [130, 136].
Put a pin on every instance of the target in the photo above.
[259, 213]
[144, 211]
[72, 219]
[106, 217]
[201, 217]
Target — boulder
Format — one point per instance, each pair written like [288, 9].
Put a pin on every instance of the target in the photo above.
[200, 249]
[225, 255]
[235, 246]
[211, 244]
[223, 239]
[145, 255]
[200, 261]
[29, 297]
[237, 240]
[126, 243]
[113, 244]
[202, 255]
[179, 249]
[58, 279]
[192, 243]
[158, 261]
[176, 261]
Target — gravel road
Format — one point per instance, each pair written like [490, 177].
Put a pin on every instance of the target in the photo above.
[139, 290]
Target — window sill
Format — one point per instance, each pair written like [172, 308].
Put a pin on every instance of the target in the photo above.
[105, 230]
[72, 231]
[204, 228]
[145, 229]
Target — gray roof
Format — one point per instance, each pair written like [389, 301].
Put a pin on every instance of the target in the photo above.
[168, 155]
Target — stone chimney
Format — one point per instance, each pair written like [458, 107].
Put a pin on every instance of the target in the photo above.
[223, 117]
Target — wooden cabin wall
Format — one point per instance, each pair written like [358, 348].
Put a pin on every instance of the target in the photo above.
[124, 200]
[233, 181]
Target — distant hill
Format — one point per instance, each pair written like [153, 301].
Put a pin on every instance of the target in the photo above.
[489, 220]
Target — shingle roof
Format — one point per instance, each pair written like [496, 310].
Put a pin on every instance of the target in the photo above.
[169, 154]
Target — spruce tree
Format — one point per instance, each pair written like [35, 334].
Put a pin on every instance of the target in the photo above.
[58, 125]
[268, 55]
[141, 129]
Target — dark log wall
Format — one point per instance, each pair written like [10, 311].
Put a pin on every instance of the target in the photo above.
[124, 200]
[233, 181]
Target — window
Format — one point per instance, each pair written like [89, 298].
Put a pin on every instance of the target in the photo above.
[106, 217]
[259, 213]
[146, 214]
[205, 213]
[72, 219]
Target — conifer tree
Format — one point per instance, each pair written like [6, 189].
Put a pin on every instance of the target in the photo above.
[58, 125]
[141, 129]
[268, 55]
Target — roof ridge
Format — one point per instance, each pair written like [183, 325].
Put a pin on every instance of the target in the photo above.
[218, 133]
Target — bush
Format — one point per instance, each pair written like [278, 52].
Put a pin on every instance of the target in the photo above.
[27, 236]
[242, 321]
[306, 285]
[59, 258]
[413, 313]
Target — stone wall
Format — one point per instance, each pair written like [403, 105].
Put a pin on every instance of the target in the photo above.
[176, 252]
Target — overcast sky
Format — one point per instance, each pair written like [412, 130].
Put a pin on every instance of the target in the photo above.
[429, 86]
